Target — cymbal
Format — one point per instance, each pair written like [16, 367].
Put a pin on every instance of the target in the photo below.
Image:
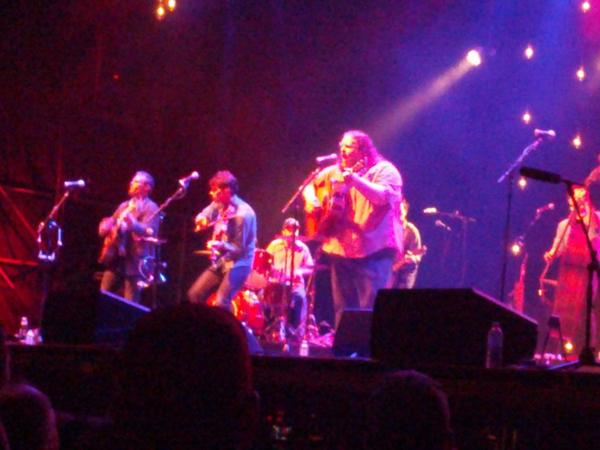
[153, 240]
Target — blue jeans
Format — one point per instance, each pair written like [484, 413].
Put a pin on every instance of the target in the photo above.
[355, 281]
[227, 283]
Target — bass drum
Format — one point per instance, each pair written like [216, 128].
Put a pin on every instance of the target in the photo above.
[247, 308]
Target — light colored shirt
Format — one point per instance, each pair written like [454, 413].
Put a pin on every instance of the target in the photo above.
[366, 227]
[282, 260]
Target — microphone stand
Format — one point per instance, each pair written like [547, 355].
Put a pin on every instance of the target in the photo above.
[464, 220]
[509, 173]
[49, 239]
[311, 176]
[158, 277]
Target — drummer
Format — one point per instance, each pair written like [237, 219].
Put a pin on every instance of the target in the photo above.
[291, 262]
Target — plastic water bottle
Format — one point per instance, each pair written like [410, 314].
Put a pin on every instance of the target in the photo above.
[23, 328]
[495, 341]
[304, 348]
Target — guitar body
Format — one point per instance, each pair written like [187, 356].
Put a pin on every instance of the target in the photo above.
[335, 203]
[113, 244]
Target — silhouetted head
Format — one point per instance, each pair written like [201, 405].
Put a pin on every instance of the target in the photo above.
[408, 410]
[186, 379]
[28, 418]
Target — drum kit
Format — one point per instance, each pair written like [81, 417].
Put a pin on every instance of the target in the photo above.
[262, 302]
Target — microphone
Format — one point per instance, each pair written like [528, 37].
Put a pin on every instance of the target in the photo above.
[74, 184]
[544, 208]
[185, 181]
[326, 159]
[541, 175]
[544, 134]
[430, 210]
[442, 225]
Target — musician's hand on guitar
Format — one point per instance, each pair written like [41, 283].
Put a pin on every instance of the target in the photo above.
[214, 245]
[549, 256]
[201, 223]
[349, 177]
[312, 206]
[106, 225]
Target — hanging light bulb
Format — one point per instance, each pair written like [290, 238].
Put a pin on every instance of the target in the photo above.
[171, 5]
[529, 52]
[160, 11]
[580, 74]
[577, 142]
[522, 183]
[586, 6]
[526, 117]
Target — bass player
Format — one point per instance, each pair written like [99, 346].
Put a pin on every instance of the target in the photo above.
[123, 233]
[361, 231]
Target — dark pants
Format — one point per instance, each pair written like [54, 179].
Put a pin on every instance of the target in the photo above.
[355, 281]
[404, 279]
[111, 279]
[226, 283]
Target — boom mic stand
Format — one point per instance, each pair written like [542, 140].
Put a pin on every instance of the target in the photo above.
[49, 239]
[586, 357]
[509, 173]
[158, 277]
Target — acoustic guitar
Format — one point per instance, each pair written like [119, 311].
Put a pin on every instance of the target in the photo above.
[336, 202]
[113, 244]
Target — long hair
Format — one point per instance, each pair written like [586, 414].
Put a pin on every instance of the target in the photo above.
[366, 147]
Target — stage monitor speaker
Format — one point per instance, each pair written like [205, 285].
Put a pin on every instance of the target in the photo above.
[352, 335]
[115, 317]
[445, 327]
[83, 316]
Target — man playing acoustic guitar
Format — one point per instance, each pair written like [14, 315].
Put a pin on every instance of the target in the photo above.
[361, 230]
[123, 247]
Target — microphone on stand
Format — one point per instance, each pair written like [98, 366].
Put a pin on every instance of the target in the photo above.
[541, 175]
[544, 134]
[442, 225]
[430, 210]
[326, 159]
[74, 184]
[185, 181]
[544, 208]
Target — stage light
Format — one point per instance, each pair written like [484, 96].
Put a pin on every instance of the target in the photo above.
[585, 6]
[568, 346]
[581, 74]
[516, 248]
[577, 142]
[171, 5]
[522, 183]
[526, 117]
[474, 58]
[160, 12]
[528, 52]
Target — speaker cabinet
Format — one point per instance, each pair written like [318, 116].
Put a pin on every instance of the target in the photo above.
[88, 316]
[445, 326]
[352, 335]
